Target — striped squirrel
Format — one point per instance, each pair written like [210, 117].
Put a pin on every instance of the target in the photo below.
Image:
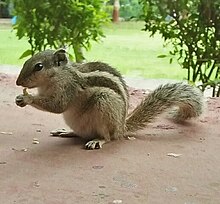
[93, 97]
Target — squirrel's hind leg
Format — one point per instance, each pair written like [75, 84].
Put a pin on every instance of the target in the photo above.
[95, 144]
[103, 136]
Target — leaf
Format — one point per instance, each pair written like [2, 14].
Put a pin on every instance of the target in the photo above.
[45, 28]
[171, 60]
[25, 54]
[161, 56]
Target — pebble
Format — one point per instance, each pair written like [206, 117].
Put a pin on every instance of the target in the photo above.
[117, 201]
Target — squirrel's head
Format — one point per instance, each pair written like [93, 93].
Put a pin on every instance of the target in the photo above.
[41, 67]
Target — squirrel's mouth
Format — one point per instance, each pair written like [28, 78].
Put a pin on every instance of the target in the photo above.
[24, 84]
[29, 87]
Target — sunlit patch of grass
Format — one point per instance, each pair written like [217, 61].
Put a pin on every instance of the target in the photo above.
[125, 47]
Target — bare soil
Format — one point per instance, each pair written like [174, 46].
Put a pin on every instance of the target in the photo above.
[61, 171]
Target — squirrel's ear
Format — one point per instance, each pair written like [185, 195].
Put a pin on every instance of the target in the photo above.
[60, 57]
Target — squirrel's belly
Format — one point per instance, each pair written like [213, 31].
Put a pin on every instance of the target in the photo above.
[84, 125]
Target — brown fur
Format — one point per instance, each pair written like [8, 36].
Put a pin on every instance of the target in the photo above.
[93, 97]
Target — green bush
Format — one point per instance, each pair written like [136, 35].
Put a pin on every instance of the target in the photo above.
[55, 23]
[193, 28]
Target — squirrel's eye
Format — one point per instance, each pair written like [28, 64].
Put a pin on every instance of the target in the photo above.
[38, 67]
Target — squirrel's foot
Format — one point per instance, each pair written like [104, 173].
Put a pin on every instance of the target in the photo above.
[95, 144]
[62, 133]
[23, 100]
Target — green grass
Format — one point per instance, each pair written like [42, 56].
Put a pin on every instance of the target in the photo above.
[125, 47]
[10, 47]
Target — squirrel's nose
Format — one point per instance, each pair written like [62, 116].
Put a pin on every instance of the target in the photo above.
[19, 82]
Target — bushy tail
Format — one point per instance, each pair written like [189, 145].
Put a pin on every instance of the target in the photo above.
[189, 100]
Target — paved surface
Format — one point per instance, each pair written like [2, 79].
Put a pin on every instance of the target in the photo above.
[5, 21]
[60, 171]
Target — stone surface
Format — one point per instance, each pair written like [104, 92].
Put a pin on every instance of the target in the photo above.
[59, 170]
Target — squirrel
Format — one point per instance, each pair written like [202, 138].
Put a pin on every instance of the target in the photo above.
[93, 97]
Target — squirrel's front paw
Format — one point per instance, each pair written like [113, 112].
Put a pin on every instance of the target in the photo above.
[23, 100]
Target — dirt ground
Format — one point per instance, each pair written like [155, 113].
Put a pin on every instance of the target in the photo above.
[60, 171]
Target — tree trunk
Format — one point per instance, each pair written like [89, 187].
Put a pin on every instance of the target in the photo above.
[78, 54]
[116, 8]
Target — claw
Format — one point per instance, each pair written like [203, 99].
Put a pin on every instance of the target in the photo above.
[58, 132]
[94, 144]
[20, 101]
[23, 100]
[62, 133]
